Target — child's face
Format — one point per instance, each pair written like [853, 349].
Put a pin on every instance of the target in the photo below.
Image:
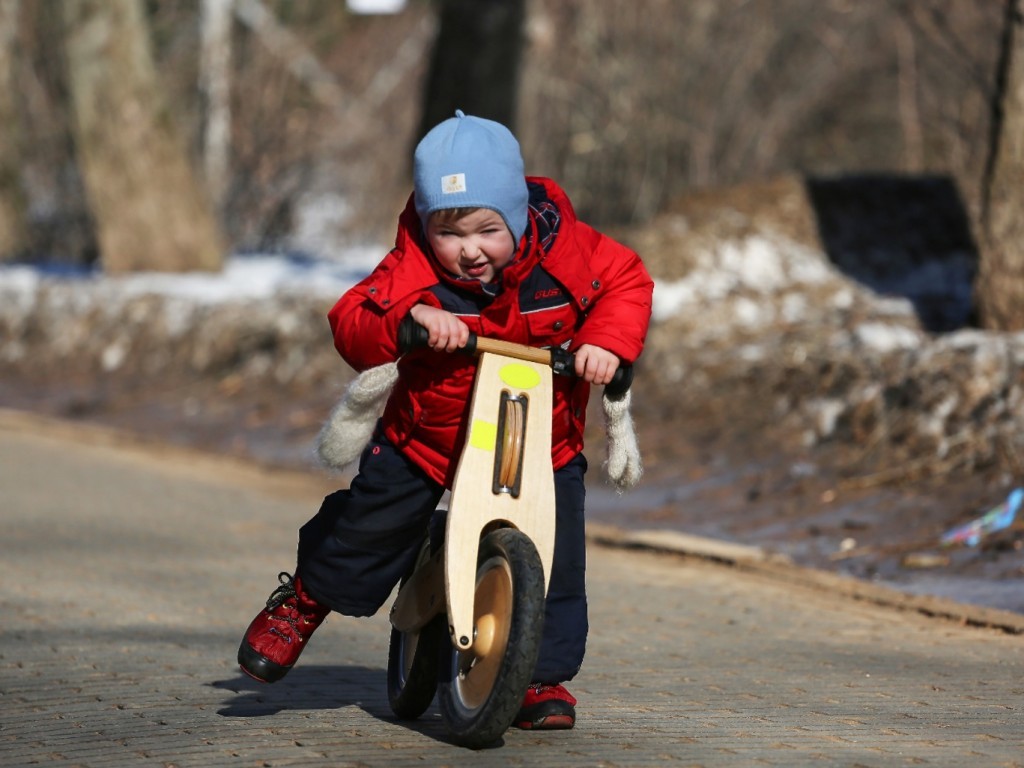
[476, 245]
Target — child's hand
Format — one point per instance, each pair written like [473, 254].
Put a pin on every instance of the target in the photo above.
[595, 364]
[446, 333]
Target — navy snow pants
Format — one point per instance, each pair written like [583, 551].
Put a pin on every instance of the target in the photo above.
[366, 538]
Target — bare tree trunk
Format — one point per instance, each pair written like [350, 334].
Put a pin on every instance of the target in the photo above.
[907, 80]
[1000, 285]
[475, 62]
[151, 212]
[12, 205]
[215, 72]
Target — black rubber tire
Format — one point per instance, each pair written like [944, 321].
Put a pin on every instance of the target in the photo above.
[412, 664]
[412, 669]
[477, 710]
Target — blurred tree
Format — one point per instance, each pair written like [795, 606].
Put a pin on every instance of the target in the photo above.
[475, 62]
[1000, 284]
[215, 78]
[12, 205]
[151, 212]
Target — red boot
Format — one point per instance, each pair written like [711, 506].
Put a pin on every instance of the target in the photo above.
[547, 708]
[277, 635]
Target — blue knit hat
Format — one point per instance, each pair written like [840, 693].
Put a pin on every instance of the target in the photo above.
[470, 162]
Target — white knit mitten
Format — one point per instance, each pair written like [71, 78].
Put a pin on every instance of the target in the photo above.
[623, 467]
[350, 426]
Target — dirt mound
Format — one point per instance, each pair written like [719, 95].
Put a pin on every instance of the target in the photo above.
[756, 321]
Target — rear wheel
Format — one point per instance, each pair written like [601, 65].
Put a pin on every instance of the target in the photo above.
[412, 663]
[412, 669]
[482, 687]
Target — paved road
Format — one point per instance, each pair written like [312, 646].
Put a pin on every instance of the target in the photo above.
[128, 576]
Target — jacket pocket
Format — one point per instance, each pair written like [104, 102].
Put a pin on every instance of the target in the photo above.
[551, 327]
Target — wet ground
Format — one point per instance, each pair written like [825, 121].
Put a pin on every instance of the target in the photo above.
[729, 484]
[888, 535]
[822, 509]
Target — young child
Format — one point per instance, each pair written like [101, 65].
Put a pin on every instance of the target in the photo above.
[482, 248]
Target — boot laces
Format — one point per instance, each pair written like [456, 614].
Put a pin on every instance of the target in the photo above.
[281, 596]
[288, 619]
[283, 593]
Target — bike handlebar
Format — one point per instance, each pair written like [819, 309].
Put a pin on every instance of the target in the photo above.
[412, 335]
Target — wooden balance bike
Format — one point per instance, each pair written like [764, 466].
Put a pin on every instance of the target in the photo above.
[484, 585]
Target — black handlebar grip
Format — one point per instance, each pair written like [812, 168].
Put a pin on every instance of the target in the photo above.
[617, 388]
[412, 335]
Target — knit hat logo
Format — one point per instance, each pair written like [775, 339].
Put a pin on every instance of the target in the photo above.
[479, 165]
[453, 184]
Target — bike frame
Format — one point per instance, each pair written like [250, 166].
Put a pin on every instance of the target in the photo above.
[479, 501]
[508, 383]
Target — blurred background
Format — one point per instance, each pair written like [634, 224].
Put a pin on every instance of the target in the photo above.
[828, 194]
[290, 123]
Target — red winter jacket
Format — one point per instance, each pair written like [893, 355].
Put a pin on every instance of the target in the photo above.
[569, 285]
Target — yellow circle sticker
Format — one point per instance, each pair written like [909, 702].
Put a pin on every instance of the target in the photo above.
[519, 376]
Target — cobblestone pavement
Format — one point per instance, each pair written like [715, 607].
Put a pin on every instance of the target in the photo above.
[130, 573]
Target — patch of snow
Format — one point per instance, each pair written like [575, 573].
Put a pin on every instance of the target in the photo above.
[114, 355]
[825, 413]
[894, 306]
[934, 423]
[20, 278]
[759, 265]
[769, 264]
[752, 353]
[671, 297]
[808, 266]
[756, 262]
[802, 469]
[18, 287]
[882, 337]
[178, 315]
[751, 314]
[794, 307]
[970, 338]
[244, 278]
[843, 299]
[376, 6]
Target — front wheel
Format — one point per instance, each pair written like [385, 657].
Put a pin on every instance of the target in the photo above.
[482, 687]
